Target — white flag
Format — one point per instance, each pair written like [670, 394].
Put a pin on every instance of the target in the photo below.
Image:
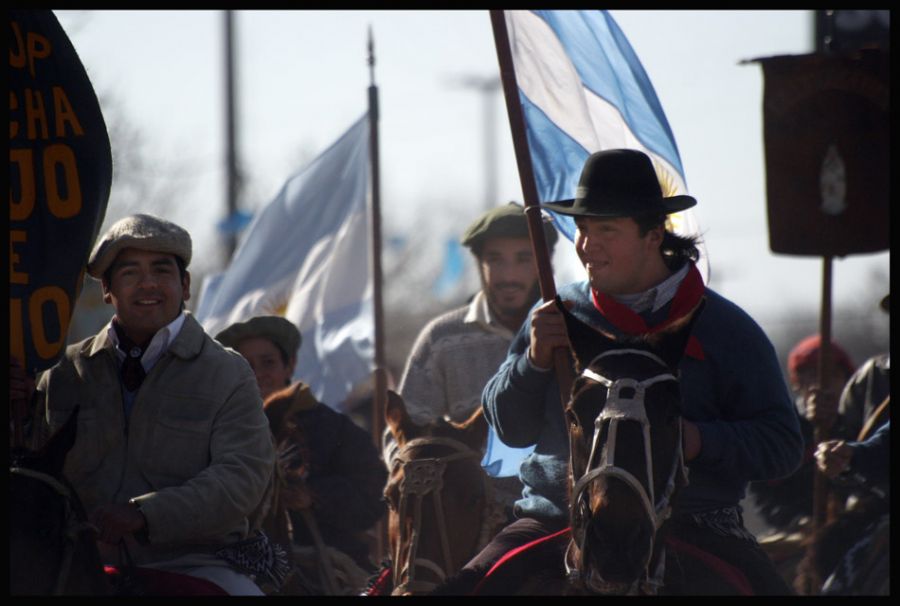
[305, 256]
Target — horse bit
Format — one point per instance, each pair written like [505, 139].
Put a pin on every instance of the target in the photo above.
[621, 408]
[73, 528]
[421, 477]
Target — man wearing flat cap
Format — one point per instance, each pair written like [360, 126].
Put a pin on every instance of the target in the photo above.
[739, 420]
[173, 450]
[328, 466]
[458, 351]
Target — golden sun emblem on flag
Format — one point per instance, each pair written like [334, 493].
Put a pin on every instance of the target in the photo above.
[670, 187]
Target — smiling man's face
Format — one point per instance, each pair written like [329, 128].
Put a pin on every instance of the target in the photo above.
[146, 290]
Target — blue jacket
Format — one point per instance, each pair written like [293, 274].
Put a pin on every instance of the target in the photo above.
[872, 457]
[736, 395]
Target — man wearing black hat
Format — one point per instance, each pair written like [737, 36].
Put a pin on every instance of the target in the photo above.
[739, 420]
[457, 352]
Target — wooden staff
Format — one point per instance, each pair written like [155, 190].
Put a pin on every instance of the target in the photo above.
[561, 362]
[379, 395]
[822, 429]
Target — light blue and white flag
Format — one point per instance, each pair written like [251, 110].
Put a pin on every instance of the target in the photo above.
[583, 89]
[306, 256]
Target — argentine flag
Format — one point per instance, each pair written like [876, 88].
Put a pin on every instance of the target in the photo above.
[583, 89]
[305, 256]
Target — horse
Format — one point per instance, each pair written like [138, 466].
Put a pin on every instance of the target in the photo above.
[52, 548]
[850, 555]
[626, 470]
[626, 460]
[441, 508]
[318, 568]
[52, 545]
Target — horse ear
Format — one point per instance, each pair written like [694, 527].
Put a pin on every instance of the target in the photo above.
[396, 417]
[53, 454]
[586, 342]
[674, 339]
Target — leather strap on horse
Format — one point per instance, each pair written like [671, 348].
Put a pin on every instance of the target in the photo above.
[875, 420]
[73, 526]
[326, 565]
[421, 477]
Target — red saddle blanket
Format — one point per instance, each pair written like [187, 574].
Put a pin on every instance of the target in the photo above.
[153, 582]
[716, 565]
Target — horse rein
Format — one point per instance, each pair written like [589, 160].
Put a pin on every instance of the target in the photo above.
[73, 528]
[616, 409]
[422, 477]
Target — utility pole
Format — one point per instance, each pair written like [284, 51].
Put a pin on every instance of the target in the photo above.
[232, 174]
[489, 87]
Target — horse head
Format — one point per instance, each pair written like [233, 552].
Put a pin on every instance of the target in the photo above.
[626, 464]
[51, 546]
[440, 506]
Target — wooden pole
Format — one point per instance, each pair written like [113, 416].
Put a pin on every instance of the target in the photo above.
[232, 174]
[562, 365]
[822, 430]
[379, 395]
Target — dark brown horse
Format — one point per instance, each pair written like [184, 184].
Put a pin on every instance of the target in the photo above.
[52, 546]
[627, 464]
[52, 550]
[441, 507]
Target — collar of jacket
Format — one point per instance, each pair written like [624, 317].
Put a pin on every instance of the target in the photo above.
[186, 345]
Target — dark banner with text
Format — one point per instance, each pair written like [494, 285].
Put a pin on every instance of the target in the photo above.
[60, 173]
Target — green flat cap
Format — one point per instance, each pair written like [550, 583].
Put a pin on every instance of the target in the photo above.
[507, 221]
[280, 331]
[144, 232]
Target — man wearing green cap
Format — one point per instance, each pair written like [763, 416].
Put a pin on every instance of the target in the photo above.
[328, 464]
[739, 420]
[173, 451]
[457, 352]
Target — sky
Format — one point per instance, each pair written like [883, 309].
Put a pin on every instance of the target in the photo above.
[302, 78]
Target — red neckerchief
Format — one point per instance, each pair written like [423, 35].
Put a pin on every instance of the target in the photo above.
[686, 298]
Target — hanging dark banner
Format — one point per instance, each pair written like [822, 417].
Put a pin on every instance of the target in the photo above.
[827, 142]
[60, 173]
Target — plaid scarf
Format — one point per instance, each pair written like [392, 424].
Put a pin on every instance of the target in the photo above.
[686, 298]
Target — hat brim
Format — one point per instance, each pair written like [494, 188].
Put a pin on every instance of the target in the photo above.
[576, 207]
[274, 328]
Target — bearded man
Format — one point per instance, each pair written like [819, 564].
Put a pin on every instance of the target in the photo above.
[457, 352]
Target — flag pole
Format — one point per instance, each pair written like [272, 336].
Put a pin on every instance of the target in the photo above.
[379, 395]
[561, 362]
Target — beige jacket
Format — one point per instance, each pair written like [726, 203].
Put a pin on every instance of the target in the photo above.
[198, 455]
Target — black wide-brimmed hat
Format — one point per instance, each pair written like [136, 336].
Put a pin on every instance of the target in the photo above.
[619, 183]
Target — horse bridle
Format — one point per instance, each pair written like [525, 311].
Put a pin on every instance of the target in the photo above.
[620, 408]
[422, 477]
[73, 527]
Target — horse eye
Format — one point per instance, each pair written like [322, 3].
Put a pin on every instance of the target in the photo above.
[571, 417]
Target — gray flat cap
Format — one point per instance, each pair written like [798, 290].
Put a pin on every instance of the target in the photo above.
[145, 232]
[507, 221]
[280, 331]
